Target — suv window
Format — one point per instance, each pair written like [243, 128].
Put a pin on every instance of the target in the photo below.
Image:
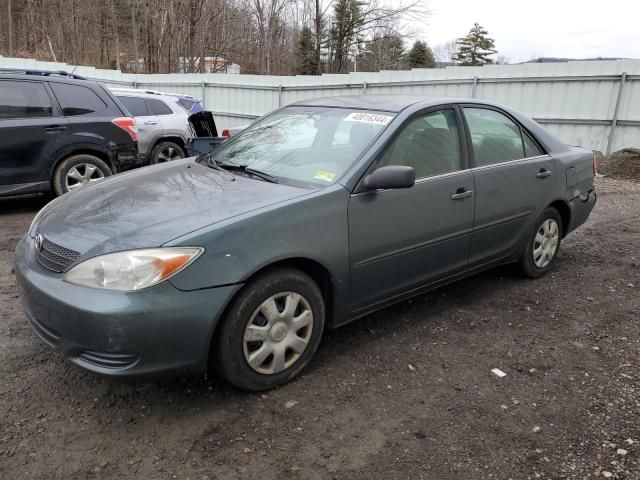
[496, 138]
[77, 100]
[135, 105]
[186, 103]
[157, 107]
[24, 100]
[430, 144]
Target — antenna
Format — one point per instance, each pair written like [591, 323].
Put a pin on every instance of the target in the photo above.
[74, 69]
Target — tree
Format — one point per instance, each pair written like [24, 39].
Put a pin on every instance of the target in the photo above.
[385, 51]
[306, 54]
[420, 56]
[445, 52]
[475, 48]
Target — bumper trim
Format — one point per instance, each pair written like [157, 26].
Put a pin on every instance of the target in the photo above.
[47, 334]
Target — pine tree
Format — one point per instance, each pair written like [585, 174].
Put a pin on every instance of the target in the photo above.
[475, 48]
[420, 56]
[347, 22]
[382, 52]
[306, 53]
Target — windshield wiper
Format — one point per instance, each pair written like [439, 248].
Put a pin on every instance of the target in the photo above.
[248, 170]
[208, 160]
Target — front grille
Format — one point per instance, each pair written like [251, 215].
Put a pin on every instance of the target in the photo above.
[54, 257]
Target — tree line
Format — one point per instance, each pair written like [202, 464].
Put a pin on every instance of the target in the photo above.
[279, 37]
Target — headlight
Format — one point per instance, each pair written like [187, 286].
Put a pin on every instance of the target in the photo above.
[132, 270]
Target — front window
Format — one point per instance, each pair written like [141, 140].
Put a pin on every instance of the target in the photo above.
[304, 145]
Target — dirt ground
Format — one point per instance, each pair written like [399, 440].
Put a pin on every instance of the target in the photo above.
[406, 393]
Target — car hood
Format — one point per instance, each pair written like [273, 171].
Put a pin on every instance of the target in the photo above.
[153, 205]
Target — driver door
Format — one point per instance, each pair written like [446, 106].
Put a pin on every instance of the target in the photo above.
[403, 239]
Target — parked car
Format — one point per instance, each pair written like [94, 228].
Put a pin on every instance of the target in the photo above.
[163, 122]
[59, 131]
[315, 215]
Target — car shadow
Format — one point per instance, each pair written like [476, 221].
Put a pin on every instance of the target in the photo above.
[24, 203]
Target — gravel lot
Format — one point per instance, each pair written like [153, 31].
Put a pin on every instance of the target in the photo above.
[406, 393]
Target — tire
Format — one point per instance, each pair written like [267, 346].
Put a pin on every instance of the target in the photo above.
[274, 362]
[543, 244]
[166, 152]
[88, 168]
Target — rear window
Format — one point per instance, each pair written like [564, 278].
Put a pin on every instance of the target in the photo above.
[77, 100]
[136, 106]
[24, 100]
[157, 107]
[186, 103]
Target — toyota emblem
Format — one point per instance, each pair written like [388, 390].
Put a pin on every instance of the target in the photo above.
[39, 241]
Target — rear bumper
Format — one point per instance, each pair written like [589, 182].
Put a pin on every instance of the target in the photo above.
[581, 207]
[153, 332]
[126, 157]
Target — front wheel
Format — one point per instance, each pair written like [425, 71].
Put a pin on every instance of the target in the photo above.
[543, 245]
[271, 330]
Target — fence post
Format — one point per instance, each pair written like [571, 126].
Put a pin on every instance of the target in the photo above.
[474, 87]
[364, 88]
[616, 111]
[204, 92]
[279, 96]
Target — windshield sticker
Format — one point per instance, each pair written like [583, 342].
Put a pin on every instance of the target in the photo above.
[324, 175]
[375, 118]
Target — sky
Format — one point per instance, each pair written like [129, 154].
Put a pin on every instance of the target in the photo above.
[540, 28]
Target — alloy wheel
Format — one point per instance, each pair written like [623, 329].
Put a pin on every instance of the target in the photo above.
[82, 174]
[168, 154]
[278, 333]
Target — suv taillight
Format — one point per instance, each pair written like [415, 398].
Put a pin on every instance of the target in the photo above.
[127, 124]
[226, 133]
[595, 164]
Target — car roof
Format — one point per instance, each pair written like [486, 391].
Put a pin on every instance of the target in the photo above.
[133, 92]
[58, 77]
[389, 103]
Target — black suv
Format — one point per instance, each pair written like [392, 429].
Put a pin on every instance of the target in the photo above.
[59, 131]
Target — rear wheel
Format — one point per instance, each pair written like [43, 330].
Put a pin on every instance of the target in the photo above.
[166, 152]
[78, 170]
[271, 330]
[543, 245]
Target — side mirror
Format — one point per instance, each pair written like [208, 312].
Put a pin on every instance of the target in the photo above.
[391, 176]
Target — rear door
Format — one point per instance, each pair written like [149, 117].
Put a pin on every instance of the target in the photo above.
[148, 125]
[402, 239]
[513, 181]
[30, 131]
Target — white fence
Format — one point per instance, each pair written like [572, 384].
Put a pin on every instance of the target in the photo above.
[595, 104]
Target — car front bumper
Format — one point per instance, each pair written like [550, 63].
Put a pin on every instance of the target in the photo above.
[157, 331]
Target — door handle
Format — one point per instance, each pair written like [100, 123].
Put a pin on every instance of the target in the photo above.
[150, 122]
[543, 173]
[461, 194]
[55, 129]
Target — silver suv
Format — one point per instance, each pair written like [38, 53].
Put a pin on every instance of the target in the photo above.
[163, 122]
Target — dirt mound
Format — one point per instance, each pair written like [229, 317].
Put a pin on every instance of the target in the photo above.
[624, 164]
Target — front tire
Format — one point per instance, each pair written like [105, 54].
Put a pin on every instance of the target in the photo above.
[271, 330]
[543, 245]
[78, 170]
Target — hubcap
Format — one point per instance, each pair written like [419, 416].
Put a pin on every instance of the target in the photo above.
[82, 174]
[169, 153]
[278, 332]
[545, 244]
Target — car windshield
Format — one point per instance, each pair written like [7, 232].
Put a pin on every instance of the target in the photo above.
[305, 145]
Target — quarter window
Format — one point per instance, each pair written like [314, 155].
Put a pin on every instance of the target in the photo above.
[77, 100]
[496, 138]
[24, 100]
[430, 144]
[156, 107]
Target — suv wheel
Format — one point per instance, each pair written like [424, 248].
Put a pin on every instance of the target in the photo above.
[78, 170]
[543, 245]
[271, 330]
[166, 152]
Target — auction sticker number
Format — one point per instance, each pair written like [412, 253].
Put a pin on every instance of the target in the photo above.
[375, 118]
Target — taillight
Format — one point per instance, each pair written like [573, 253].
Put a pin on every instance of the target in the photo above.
[127, 124]
[226, 133]
[595, 164]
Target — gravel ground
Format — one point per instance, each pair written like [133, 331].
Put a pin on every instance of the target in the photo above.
[406, 393]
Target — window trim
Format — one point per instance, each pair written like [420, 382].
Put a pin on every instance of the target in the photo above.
[464, 154]
[523, 131]
[55, 106]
